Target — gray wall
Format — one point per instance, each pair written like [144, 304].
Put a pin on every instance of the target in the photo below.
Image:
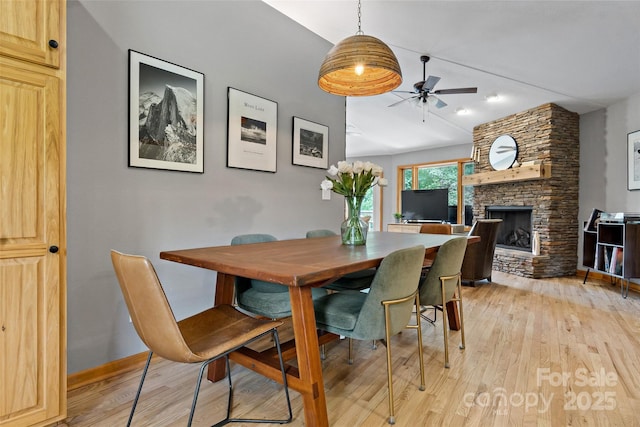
[249, 46]
[245, 45]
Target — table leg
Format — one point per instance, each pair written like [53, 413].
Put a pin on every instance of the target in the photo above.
[308, 354]
[453, 315]
[224, 295]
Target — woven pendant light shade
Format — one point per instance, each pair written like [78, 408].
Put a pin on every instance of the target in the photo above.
[381, 71]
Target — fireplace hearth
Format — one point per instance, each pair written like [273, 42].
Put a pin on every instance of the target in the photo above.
[515, 232]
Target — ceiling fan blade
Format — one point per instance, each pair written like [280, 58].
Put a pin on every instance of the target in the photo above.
[430, 83]
[404, 91]
[439, 103]
[455, 91]
[401, 101]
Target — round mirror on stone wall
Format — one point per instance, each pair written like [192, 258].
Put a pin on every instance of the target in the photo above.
[503, 152]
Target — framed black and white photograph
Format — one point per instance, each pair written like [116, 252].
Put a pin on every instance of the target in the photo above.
[166, 110]
[251, 131]
[310, 144]
[166, 106]
[633, 157]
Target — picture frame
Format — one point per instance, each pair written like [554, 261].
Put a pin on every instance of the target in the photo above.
[158, 140]
[252, 128]
[310, 144]
[633, 160]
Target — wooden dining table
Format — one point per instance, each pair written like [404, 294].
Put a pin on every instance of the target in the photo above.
[300, 264]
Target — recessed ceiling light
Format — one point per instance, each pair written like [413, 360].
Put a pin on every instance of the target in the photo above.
[462, 111]
[494, 97]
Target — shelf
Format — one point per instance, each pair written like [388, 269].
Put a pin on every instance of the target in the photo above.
[522, 173]
[613, 250]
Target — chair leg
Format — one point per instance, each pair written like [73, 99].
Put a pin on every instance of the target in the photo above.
[350, 361]
[323, 352]
[144, 374]
[228, 418]
[445, 326]
[425, 317]
[418, 326]
[387, 333]
[462, 345]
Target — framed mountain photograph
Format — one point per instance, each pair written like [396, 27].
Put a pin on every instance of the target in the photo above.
[166, 110]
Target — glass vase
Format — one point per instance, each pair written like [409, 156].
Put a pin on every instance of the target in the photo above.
[354, 229]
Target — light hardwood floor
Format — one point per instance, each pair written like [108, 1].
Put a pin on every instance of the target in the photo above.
[546, 352]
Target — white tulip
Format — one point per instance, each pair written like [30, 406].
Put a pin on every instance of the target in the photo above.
[326, 184]
[382, 182]
[345, 167]
[358, 166]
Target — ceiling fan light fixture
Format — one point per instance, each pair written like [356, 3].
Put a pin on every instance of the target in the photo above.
[359, 65]
[432, 100]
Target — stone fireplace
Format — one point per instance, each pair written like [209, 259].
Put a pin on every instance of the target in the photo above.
[547, 136]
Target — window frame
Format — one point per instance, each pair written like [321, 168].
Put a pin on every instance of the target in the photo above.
[414, 181]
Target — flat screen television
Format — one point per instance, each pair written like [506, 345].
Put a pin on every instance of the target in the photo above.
[425, 205]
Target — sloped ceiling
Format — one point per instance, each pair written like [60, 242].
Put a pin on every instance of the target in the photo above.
[581, 55]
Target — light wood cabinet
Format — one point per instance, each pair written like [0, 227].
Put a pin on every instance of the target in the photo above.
[32, 222]
[404, 228]
[31, 30]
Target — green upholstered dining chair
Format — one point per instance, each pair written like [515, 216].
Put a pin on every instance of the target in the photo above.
[264, 298]
[442, 284]
[356, 281]
[201, 338]
[382, 312]
[351, 282]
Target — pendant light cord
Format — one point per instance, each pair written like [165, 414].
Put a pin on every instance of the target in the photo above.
[359, 33]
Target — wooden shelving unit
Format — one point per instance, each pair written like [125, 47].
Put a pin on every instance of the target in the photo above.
[522, 173]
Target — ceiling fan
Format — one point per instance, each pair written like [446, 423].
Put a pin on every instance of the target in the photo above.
[423, 90]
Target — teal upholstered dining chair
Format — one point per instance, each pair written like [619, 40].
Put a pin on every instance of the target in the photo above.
[356, 281]
[442, 284]
[382, 312]
[264, 298]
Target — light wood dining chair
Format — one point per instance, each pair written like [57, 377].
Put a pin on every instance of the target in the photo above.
[435, 228]
[442, 284]
[202, 338]
[382, 312]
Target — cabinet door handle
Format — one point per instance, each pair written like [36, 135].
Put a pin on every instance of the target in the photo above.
[53, 249]
[53, 44]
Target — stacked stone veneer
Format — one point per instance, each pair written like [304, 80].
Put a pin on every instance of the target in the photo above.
[548, 134]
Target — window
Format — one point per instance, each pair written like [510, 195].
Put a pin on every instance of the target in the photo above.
[367, 208]
[441, 175]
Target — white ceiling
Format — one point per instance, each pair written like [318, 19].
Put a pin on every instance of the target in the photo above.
[581, 55]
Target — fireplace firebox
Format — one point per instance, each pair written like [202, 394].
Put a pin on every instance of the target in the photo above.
[516, 230]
